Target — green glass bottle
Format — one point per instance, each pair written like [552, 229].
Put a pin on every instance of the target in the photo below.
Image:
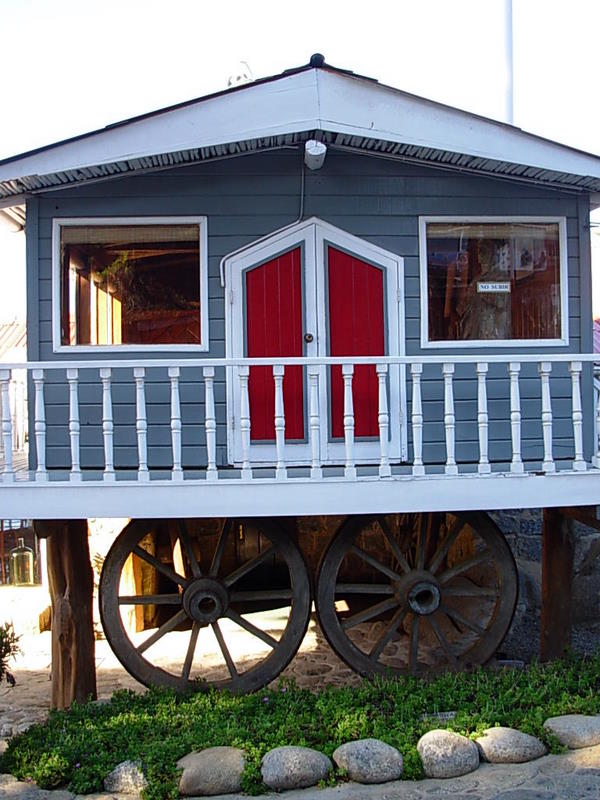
[21, 565]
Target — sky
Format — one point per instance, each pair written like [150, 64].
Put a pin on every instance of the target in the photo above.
[72, 66]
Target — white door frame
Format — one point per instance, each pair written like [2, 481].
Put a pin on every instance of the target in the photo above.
[314, 236]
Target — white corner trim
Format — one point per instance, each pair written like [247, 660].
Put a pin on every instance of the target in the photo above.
[426, 344]
[60, 222]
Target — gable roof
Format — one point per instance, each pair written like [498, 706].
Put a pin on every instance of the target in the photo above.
[347, 111]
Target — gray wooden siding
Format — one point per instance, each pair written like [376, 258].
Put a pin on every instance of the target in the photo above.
[248, 197]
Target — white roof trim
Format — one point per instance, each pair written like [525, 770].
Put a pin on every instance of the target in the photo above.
[309, 100]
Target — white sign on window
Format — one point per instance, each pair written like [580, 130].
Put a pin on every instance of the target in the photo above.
[497, 287]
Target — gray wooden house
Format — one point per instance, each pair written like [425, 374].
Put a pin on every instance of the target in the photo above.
[309, 310]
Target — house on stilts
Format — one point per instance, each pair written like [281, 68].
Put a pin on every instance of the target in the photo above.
[306, 334]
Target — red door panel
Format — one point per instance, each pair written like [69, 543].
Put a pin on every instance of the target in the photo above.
[356, 328]
[274, 328]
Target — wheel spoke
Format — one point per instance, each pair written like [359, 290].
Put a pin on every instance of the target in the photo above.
[474, 561]
[248, 626]
[458, 617]
[216, 561]
[159, 566]
[413, 652]
[225, 650]
[369, 613]
[185, 540]
[257, 595]
[375, 563]
[422, 538]
[166, 627]
[189, 656]
[444, 546]
[470, 591]
[363, 588]
[394, 546]
[385, 637]
[442, 639]
[248, 566]
[150, 600]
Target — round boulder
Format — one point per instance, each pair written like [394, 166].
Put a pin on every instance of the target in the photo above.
[126, 778]
[369, 761]
[509, 746]
[446, 754]
[215, 770]
[575, 730]
[292, 767]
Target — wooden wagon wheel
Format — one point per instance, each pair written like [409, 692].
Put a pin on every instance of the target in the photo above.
[416, 592]
[223, 614]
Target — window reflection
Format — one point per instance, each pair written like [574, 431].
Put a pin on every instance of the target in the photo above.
[130, 284]
[491, 281]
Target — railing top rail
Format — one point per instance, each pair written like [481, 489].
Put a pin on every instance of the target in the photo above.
[492, 358]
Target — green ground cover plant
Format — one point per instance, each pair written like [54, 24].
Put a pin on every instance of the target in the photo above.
[79, 747]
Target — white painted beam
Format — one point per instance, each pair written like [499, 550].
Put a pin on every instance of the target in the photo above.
[297, 496]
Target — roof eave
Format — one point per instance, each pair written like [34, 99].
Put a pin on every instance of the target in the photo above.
[353, 112]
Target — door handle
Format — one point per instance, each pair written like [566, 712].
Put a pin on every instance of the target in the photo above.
[308, 338]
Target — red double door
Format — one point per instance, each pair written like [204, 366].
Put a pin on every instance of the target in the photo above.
[293, 309]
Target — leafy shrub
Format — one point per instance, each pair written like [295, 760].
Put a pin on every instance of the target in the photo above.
[9, 647]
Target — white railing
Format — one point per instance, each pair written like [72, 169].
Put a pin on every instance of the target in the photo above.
[16, 403]
[452, 407]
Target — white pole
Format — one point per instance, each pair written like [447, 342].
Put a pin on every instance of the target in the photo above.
[508, 51]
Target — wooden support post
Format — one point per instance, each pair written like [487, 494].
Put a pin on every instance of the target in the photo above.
[71, 583]
[557, 579]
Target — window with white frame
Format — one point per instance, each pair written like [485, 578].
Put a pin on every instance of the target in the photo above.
[493, 280]
[130, 283]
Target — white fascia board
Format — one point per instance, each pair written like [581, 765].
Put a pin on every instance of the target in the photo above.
[253, 498]
[349, 105]
[286, 105]
[314, 99]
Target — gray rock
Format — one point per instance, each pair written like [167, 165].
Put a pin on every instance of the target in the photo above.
[446, 754]
[101, 796]
[3, 746]
[12, 789]
[294, 768]
[575, 730]
[216, 770]
[126, 778]
[369, 761]
[509, 746]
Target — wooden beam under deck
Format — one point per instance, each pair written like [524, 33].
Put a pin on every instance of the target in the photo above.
[586, 515]
[557, 583]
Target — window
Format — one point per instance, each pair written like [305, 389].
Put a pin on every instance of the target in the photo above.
[131, 283]
[493, 281]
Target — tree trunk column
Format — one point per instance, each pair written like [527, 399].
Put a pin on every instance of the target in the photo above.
[71, 584]
[557, 582]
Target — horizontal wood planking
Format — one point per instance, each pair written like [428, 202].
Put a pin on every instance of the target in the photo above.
[248, 197]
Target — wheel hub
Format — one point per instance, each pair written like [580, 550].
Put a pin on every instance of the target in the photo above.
[420, 590]
[205, 600]
[424, 598]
